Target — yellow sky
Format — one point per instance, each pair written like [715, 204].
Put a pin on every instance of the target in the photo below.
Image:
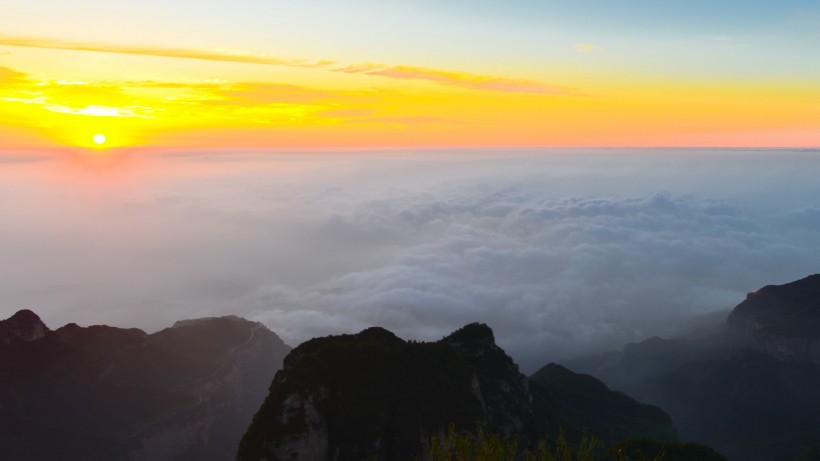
[64, 92]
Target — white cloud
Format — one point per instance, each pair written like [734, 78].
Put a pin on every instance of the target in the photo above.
[553, 277]
[561, 253]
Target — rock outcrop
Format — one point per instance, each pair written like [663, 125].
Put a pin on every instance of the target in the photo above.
[781, 320]
[25, 325]
[751, 391]
[104, 393]
[375, 396]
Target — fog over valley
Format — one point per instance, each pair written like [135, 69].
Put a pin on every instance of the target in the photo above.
[562, 252]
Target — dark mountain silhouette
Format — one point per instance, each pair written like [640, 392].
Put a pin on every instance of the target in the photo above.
[374, 396]
[782, 321]
[576, 403]
[751, 392]
[643, 449]
[25, 325]
[105, 393]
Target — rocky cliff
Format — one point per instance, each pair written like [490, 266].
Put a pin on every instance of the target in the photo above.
[781, 320]
[375, 396]
[104, 393]
[749, 392]
[25, 325]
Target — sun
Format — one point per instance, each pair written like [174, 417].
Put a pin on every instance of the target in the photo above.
[99, 139]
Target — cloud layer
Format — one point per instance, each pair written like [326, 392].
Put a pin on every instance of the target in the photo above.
[562, 253]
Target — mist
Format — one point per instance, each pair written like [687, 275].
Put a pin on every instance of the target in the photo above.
[562, 252]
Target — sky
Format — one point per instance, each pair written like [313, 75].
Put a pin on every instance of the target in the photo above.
[575, 174]
[277, 74]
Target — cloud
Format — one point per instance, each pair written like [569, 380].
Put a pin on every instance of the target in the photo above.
[156, 51]
[10, 77]
[257, 93]
[452, 78]
[445, 77]
[101, 111]
[587, 48]
[249, 102]
[560, 252]
[562, 277]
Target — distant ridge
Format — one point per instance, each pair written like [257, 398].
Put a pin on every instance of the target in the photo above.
[101, 393]
[750, 390]
[24, 325]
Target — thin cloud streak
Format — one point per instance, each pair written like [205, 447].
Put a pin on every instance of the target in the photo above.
[185, 53]
[440, 76]
[452, 78]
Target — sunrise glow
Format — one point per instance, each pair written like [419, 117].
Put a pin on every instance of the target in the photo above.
[425, 229]
[521, 83]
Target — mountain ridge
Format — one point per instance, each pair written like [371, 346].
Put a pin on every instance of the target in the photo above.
[107, 393]
[373, 395]
[749, 391]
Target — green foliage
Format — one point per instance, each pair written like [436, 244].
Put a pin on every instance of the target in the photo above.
[481, 446]
[811, 454]
[656, 450]
[621, 455]
[455, 446]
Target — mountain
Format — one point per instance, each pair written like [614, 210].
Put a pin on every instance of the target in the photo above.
[25, 325]
[751, 392]
[750, 406]
[105, 393]
[375, 396]
[782, 321]
[643, 449]
[576, 403]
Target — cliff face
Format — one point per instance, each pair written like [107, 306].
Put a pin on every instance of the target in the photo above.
[375, 396]
[751, 391]
[783, 321]
[502, 390]
[184, 393]
[25, 325]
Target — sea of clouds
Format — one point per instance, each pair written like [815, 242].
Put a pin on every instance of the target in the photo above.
[561, 252]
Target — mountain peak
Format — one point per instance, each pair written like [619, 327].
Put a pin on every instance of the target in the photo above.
[782, 320]
[791, 309]
[374, 395]
[104, 392]
[812, 282]
[473, 337]
[378, 334]
[209, 320]
[24, 325]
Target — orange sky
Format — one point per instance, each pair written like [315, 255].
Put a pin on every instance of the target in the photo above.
[184, 92]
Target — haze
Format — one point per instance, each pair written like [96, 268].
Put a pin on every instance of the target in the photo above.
[561, 252]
